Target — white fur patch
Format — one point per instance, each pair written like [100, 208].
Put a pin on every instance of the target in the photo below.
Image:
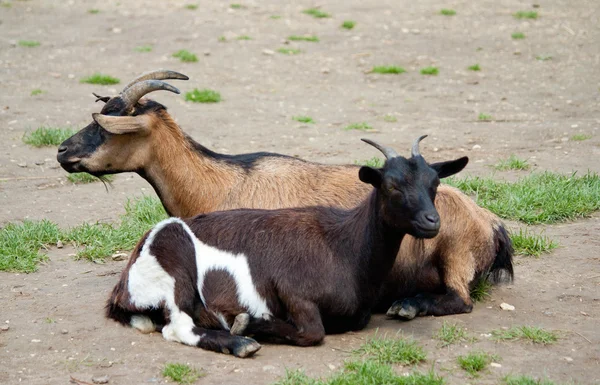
[142, 323]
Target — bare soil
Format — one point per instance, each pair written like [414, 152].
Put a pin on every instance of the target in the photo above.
[55, 316]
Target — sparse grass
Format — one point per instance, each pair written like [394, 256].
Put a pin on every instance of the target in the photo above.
[101, 79]
[526, 380]
[185, 56]
[316, 13]
[392, 351]
[29, 43]
[359, 126]
[191, 7]
[451, 333]
[312, 39]
[289, 51]
[144, 48]
[537, 198]
[481, 290]
[47, 136]
[181, 373]
[84, 178]
[20, 244]
[528, 243]
[525, 15]
[93, 11]
[448, 12]
[5, 4]
[36, 91]
[236, 6]
[275, 17]
[474, 67]
[303, 119]
[543, 57]
[429, 71]
[512, 163]
[518, 35]
[475, 362]
[50, 320]
[373, 162]
[222, 39]
[390, 118]
[203, 96]
[531, 333]
[243, 37]
[484, 117]
[388, 70]
[348, 24]
[580, 137]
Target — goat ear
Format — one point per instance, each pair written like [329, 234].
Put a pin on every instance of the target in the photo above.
[451, 167]
[122, 124]
[370, 175]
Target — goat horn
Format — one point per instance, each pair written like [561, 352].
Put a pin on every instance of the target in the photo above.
[415, 147]
[134, 93]
[156, 75]
[387, 151]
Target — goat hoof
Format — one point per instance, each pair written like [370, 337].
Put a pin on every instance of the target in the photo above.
[239, 324]
[394, 309]
[246, 347]
[408, 312]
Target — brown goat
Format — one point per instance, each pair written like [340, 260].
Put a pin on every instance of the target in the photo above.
[433, 276]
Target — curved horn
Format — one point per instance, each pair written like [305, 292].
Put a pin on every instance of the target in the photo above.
[415, 147]
[134, 93]
[387, 151]
[156, 75]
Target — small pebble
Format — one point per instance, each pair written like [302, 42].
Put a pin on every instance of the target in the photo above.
[22, 164]
[331, 366]
[64, 331]
[59, 244]
[100, 379]
[4, 328]
[325, 70]
[206, 53]
[39, 162]
[36, 341]
[495, 365]
[119, 256]
[268, 368]
[268, 52]
[568, 359]
[505, 306]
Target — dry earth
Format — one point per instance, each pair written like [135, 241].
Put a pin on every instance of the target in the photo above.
[538, 105]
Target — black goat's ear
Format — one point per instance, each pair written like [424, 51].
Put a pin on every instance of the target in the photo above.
[451, 167]
[371, 176]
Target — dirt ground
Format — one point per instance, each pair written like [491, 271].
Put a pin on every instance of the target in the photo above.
[56, 328]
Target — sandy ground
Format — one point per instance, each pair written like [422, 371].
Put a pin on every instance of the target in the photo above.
[54, 316]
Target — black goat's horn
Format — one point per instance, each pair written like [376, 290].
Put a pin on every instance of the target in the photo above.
[135, 92]
[387, 151]
[156, 75]
[415, 147]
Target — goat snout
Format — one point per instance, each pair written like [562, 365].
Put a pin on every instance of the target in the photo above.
[62, 148]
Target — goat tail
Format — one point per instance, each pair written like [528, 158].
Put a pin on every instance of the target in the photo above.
[502, 267]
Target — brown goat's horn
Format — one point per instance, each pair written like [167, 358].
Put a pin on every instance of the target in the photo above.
[387, 151]
[156, 75]
[134, 93]
[415, 147]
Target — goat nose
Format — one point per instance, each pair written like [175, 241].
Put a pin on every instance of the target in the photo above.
[62, 148]
[433, 218]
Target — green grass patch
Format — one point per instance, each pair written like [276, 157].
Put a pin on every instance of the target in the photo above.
[94, 11]
[388, 70]
[429, 71]
[518, 35]
[475, 362]
[543, 57]
[481, 290]
[359, 126]
[448, 12]
[36, 91]
[203, 96]
[525, 15]
[191, 7]
[312, 39]
[451, 333]
[539, 198]
[20, 244]
[580, 137]
[392, 351]
[236, 6]
[84, 178]
[316, 13]
[303, 119]
[243, 37]
[474, 67]
[101, 79]
[484, 117]
[531, 333]
[526, 380]
[47, 136]
[181, 373]
[289, 51]
[275, 17]
[5, 4]
[390, 118]
[512, 163]
[29, 43]
[143, 48]
[185, 56]
[348, 24]
[374, 162]
[531, 244]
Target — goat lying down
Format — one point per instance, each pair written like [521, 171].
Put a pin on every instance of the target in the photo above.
[287, 275]
[431, 276]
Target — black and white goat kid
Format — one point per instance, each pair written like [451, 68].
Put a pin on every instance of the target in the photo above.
[288, 275]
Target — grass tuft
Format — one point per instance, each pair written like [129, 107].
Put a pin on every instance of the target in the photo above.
[525, 15]
[181, 373]
[275, 17]
[36, 91]
[243, 37]
[543, 57]
[451, 333]
[474, 67]
[191, 7]
[484, 117]
[390, 118]
[185, 56]
[144, 48]
[94, 11]
[84, 178]
[316, 13]
[313, 38]
[203, 96]
[512, 163]
[576, 137]
[20, 244]
[429, 71]
[448, 12]
[348, 24]
[388, 70]
[29, 43]
[289, 51]
[236, 6]
[518, 35]
[532, 333]
[374, 162]
[525, 380]
[101, 79]
[392, 351]
[48, 136]
[303, 119]
[359, 126]
[481, 290]
[475, 362]
[531, 244]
